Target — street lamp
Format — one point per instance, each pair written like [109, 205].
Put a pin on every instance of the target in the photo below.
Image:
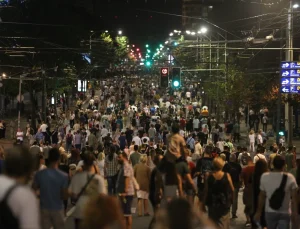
[120, 32]
[203, 30]
[188, 32]
[296, 5]
[171, 34]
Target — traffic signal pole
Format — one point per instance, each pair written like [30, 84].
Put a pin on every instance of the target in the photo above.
[289, 57]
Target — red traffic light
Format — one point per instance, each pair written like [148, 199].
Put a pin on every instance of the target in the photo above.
[164, 71]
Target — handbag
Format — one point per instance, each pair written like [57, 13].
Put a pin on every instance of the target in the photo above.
[135, 184]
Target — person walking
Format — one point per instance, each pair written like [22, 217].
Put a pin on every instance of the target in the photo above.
[142, 173]
[52, 184]
[277, 189]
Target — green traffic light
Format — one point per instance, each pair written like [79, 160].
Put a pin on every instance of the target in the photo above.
[147, 46]
[148, 63]
[176, 83]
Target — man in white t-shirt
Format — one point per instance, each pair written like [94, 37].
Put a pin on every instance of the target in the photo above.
[137, 140]
[260, 155]
[44, 127]
[269, 183]
[20, 200]
[196, 124]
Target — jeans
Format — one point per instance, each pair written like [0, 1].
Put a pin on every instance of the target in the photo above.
[277, 220]
[68, 147]
[111, 183]
[235, 198]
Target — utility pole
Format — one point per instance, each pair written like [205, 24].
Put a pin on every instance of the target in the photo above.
[289, 57]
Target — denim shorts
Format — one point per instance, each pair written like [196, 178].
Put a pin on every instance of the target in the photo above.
[126, 203]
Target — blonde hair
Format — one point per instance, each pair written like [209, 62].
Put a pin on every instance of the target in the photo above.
[218, 164]
[143, 159]
[223, 157]
[101, 156]
[251, 132]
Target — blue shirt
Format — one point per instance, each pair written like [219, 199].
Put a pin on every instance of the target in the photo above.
[51, 182]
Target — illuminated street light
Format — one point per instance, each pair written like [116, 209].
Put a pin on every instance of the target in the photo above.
[171, 34]
[203, 30]
[193, 33]
[166, 42]
[199, 32]
[296, 5]
[106, 31]
[175, 31]
[120, 32]
[188, 32]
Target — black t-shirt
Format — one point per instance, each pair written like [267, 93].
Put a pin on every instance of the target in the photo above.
[129, 134]
[227, 154]
[234, 169]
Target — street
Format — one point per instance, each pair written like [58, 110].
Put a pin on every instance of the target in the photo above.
[143, 222]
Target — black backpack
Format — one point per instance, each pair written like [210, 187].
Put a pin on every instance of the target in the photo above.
[7, 218]
[278, 195]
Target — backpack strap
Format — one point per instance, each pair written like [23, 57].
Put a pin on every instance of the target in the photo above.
[8, 192]
[283, 182]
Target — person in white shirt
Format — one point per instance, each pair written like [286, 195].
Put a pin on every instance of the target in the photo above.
[269, 183]
[260, 155]
[15, 191]
[44, 127]
[252, 141]
[137, 140]
[259, 138]
[196, 124]
[96, 186]
[20, 135]
[104, 132]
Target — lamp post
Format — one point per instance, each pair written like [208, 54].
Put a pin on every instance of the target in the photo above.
[289, 57]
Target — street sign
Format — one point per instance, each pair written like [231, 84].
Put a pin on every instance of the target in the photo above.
[290, 65]
[290, 81]
[290, 89]
[290, 73]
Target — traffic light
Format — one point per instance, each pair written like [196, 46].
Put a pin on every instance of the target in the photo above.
[164, 77]
[148, 63]
[176, 78]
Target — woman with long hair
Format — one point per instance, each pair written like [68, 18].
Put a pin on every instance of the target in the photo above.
[97, 214]
[251, 141]
[261, 167]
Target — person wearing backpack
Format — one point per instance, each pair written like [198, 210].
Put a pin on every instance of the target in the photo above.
[242, 159]
[218, 195]
[279, 194]
[18, 204]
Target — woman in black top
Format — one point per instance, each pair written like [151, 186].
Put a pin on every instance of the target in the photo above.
[218, 195]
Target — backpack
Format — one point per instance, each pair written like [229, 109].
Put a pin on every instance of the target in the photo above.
[7, 218]
[219, 201]
[244, 158]
[276, 200]
[69, 138]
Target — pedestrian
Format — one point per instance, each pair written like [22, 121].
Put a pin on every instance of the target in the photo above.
[261, 167]
[252, 141]
[235, 170]
[219, 189]
[84, 185]
[111, 170]
[15, 195]
[125, 188]
[277, 189]
[52, 185]
[142, 175]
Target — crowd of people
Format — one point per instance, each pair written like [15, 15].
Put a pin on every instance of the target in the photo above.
[165, 151]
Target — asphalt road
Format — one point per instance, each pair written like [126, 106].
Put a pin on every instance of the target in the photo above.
[143, 222]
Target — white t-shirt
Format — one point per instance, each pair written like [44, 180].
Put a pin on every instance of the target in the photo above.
[270, 181]
[20, 135]
[196, 123]
[259, 139]
[148, 139]
[259, 156]
[44, 127]
[22, 202]
[96, 186]
[137, 140]
[252, 137]
[188, 94]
